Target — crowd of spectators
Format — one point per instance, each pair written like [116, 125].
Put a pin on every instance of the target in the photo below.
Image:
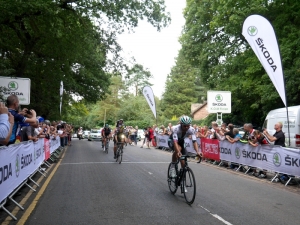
[18, 125]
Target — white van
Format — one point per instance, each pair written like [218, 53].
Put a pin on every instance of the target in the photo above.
[279, 115]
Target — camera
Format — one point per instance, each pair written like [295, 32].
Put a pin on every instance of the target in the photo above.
[28, 111]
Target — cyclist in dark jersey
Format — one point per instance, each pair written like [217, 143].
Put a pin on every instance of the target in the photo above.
[106, 134]
[119, 135]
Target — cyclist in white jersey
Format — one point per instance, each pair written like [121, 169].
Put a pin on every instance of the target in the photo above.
[179, 133]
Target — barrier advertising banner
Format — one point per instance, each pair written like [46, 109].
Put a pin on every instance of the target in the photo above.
[47, 148]
[210, 148]
[19, 161]
[162, 141]
[260, 35]
[269, 157]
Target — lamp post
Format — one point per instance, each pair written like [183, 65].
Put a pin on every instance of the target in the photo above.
[104, 116]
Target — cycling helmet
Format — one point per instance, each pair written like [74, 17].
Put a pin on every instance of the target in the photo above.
[121, 120]
[106, 125]
[185, 120]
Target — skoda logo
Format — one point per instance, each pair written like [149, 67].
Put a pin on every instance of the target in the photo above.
[252, 31]
[17, 167]
[13, 85]
[237, 153]
[219, 98]
[277, 159]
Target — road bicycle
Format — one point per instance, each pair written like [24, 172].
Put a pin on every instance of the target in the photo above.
[184, 178]
[119, 152]
[106, 145]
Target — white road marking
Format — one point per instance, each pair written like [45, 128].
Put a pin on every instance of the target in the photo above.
[82, 163]
[150, 173]
[217, 216]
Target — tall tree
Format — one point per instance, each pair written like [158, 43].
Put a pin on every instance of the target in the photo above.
[49, 41]
[180, 90]
[213, 43]
[138, 77]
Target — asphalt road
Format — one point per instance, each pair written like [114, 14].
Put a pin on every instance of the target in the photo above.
[89, 187]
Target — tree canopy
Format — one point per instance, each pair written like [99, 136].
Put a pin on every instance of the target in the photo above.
[69, 40]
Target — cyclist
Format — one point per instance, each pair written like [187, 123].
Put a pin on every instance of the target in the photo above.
[179, 133]
[106, 134]
[119, 135]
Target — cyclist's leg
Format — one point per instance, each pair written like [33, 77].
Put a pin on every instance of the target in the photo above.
[115, 144]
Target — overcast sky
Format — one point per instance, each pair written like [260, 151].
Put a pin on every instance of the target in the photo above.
[156, 50]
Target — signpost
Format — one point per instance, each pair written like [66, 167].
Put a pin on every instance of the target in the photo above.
[219, 102]
[17, 86]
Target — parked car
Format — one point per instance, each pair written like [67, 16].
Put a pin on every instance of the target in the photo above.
[74, 135]
[95, 135]
[86, 134]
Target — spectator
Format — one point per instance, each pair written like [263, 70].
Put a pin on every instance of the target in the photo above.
[6, 124]
[224, 128]
[259, 139]
[151, 136]
[278, 138]
[136, 134]
[162, 130]
[230, 131]
[28, 133]
[203, 132]
[28, 116]
[146, 133]
[155, 132]
[236, 138]
[169, 129]
[245, 137]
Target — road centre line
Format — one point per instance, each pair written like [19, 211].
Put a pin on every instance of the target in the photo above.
[216, 216]
[84, 163]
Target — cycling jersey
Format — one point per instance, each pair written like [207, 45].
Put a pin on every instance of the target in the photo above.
[106, 132]
[177, 133]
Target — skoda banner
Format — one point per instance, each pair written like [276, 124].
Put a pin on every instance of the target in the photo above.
[261, 37]
[219, 101]
[16, 86]
[148, 94]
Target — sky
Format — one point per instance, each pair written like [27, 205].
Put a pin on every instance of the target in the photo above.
[156, 50]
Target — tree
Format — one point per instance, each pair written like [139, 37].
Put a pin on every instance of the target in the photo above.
[180, 91]
[213, 43]
[49, 41]
[137, 77]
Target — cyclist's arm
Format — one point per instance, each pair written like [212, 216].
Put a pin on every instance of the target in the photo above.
[176, 145]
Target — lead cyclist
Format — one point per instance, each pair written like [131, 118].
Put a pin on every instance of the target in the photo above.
[179, 133]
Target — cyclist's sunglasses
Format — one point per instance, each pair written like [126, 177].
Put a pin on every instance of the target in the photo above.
[185, 126]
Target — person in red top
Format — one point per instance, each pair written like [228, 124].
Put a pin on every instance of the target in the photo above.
[151, 136]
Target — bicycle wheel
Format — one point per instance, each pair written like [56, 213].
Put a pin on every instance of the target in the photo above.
[120, 154]
[106, 147]
[117, 153]
[172, 181]
[189, 185]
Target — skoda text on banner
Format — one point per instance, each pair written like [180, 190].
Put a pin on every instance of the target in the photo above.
[269, 157]
[148, 94]
[261, 36]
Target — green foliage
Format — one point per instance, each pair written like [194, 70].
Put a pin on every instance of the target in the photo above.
[69, 40]
[212, 42]
[182, 89]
